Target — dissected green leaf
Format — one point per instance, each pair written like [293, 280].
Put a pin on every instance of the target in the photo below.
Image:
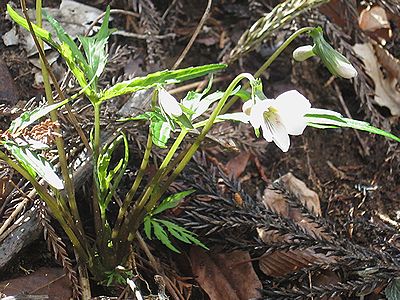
[181, 233]
[162, 77]
[70, 59]
[144, 116]
[114, 176]
[95, 50]
[193, 98]
[40, 32]
[64, 37]
[104, 161]
[72, 55]
[171, 201]
[27, 118]
[147, 227]
[392, 291]
[177, 233]
[161, 235]
[32, 161]
[336, 121]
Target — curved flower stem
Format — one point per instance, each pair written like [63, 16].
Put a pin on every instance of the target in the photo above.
[269, 61]
[191, 151]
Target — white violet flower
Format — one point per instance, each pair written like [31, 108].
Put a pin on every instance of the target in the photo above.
[279, 117]
[169, 104]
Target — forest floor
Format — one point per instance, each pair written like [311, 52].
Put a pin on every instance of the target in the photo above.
[356, 175]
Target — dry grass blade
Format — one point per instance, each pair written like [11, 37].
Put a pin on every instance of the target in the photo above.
[265, 26]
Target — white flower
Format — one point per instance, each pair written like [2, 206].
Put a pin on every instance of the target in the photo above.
[279, 117]
[169, 104]
[304, 52]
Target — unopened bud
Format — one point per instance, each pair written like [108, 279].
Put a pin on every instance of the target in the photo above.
[336, 63]
[304, 52]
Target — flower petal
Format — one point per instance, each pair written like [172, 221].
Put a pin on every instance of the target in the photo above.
[247, 106]
[278, 131]
[169, 104]
[322, 111]
[292, 106]
[257, 113]
[267, 133]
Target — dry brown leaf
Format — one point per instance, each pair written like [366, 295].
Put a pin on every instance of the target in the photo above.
[384, 70]
[374, 21]
[280, 263]
[225, 276]
[46, 281]
[236, 166]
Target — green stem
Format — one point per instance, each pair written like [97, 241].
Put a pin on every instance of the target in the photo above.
[99, 219]
[135, 215]
[270, 60]
[135, 186]
[139, 213]
[189, 154]
[156, 179]
[69, 186]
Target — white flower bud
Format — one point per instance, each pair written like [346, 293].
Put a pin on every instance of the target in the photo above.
[336, 63]
[169, 104]
[304, 52]
[346, 70]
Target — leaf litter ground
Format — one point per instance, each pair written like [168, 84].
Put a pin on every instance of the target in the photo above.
[356, 177]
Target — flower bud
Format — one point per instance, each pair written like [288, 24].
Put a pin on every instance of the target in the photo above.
[169, 104]
[336, 63]
[302, 53]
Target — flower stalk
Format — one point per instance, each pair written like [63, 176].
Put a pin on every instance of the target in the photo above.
[269, 61]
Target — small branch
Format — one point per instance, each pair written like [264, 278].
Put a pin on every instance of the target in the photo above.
[194, 36]
[156, 266]
[145, 36]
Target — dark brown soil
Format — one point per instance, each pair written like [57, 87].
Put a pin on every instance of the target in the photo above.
[351, 183]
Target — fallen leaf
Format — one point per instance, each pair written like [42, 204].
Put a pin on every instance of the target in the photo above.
[334, 11]
[45, 281]
[374, 21]
[280, 263]
[226, 275]
[384, 70]
[236, 166]
[373, 18]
